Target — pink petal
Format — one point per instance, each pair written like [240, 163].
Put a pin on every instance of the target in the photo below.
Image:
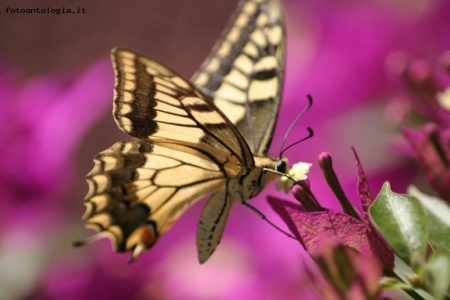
[344, 228]
[365, 196]
[309, 228]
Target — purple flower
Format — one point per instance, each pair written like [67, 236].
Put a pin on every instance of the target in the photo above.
[348, 228]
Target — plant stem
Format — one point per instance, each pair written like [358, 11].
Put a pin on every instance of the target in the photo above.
[412, 293]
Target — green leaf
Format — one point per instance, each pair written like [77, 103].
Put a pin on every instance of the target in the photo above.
[401, 221]
[438, 217]
[438, 274]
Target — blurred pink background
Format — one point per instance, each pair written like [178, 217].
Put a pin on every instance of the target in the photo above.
[56, 85]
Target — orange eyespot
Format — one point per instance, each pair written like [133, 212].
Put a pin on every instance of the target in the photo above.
[148, 235]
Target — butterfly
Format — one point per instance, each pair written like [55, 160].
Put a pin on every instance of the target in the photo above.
[191, 138]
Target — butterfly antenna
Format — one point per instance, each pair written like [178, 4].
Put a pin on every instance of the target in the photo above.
[288, 132]
[310, 135]
[255, 210]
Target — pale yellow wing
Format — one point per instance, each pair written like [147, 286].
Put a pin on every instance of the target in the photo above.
[243, 74]
[138, 188]
[152, 101]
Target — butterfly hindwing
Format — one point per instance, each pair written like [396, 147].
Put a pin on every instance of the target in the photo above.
[243, 75]
[138, 188]
[212, 223]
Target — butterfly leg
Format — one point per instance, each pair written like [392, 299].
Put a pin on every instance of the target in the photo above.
[259, 213]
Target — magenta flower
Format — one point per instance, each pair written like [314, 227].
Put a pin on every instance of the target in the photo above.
[347, 228]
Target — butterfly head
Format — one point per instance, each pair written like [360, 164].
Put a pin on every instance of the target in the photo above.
[282, 166]
[273, 168]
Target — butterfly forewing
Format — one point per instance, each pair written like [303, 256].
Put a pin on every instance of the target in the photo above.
[152, 101]
[243, 74]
